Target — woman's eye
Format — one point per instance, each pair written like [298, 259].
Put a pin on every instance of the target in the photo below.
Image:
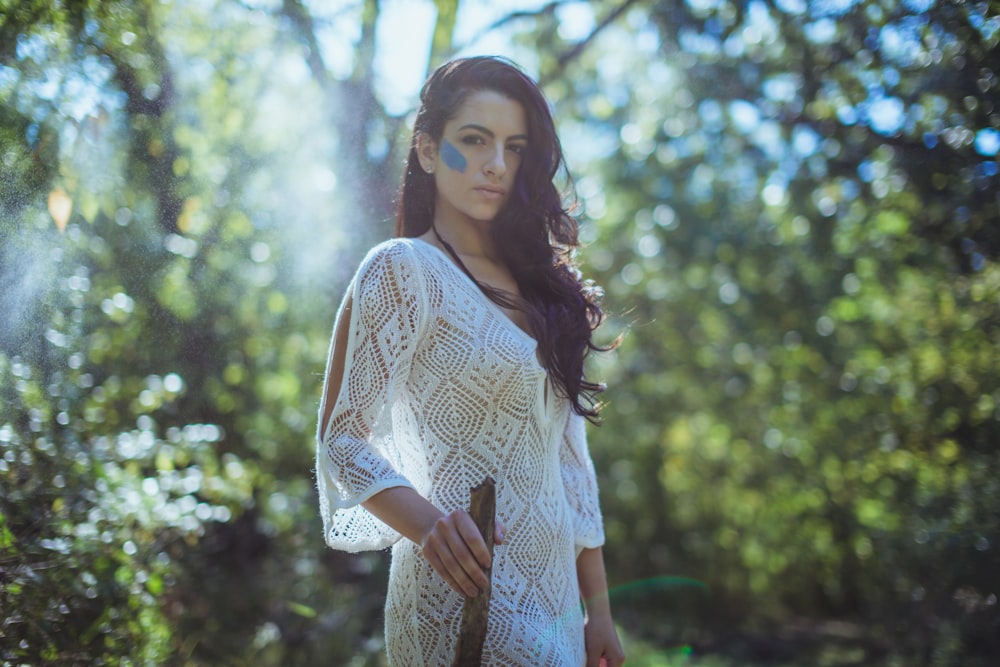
[517, 148]
[472, 140]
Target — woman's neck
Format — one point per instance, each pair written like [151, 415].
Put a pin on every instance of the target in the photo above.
[468, 239]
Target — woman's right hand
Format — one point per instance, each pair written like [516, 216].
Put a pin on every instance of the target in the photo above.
[458, 553]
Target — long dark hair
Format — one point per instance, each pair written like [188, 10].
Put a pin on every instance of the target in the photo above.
[534, 233]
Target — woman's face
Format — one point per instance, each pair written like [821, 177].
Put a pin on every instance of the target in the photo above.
[476, 161]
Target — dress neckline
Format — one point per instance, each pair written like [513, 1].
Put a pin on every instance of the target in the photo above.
[489, 302]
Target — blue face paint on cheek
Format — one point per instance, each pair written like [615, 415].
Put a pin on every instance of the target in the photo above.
[452, 157]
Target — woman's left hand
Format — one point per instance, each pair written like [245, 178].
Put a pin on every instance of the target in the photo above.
[603, 647]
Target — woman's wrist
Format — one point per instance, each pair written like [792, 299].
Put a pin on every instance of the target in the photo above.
[593, 583]
[598, 606]
[405, 511]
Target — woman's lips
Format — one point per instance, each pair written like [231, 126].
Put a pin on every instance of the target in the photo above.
[491, 192]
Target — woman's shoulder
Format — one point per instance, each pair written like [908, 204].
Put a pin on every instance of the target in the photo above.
[393, 251]
[403, 254]
[390, 249]
[398, 260]
[402, 247]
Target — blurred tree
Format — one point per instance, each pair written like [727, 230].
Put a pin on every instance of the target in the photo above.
[799, 217]
[160, 354]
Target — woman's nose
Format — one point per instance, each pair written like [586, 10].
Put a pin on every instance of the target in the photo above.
[497, 165]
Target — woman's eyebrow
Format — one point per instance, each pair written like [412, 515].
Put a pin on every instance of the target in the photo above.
[490, 133]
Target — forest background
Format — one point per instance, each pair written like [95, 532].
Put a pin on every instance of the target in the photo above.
[792, 206]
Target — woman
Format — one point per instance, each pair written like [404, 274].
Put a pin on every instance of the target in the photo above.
[458, 353]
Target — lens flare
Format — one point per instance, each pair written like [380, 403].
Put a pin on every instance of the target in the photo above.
[668, 595]
[655, 585]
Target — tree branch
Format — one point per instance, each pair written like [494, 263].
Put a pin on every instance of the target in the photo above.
[444, 32]
[306, 27]
[364, 63]
[546, 9]
[153, 149]
[476, 611]
[580, 46]
[351, 106]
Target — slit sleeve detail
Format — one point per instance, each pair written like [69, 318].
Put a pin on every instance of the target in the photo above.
[358, 450]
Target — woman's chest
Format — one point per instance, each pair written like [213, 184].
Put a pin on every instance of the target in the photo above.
[474, 354]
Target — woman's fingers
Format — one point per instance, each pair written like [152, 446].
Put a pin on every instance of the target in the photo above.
[458, 553]
[472, 539]
[469, 548]
[444, 562]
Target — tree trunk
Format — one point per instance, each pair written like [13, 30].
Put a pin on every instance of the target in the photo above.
[475, 613]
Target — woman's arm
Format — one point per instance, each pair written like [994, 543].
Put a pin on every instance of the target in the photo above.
[450, 542]
[603, 647]
[381, 320]
[388, 299]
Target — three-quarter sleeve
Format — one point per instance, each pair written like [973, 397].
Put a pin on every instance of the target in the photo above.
[580, 484]
[357, 454]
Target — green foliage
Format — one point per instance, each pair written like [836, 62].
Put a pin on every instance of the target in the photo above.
[792, 209]
[814, 343]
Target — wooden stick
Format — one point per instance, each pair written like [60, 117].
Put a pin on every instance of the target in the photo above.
[475, 612]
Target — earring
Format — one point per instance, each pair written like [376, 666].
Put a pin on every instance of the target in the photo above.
[429, 170]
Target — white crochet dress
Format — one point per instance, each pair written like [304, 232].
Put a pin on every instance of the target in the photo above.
[441, 389]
